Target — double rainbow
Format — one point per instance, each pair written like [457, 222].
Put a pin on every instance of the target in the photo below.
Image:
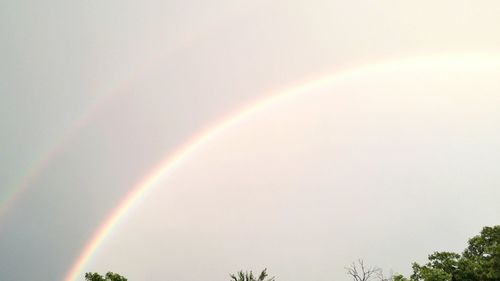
[173, 160]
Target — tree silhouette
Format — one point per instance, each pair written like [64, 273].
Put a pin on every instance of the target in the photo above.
[248, 276]
[110, 276]
[361, 272]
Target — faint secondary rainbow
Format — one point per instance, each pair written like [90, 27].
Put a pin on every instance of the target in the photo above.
[10, 196]
[201, 138]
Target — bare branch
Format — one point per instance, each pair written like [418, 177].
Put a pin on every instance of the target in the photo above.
[364, 272]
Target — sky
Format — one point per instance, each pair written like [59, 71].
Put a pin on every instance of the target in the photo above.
[391, 161]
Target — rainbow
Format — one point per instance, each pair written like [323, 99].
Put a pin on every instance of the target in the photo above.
[10, 197]
[8, 200]
[200, 139]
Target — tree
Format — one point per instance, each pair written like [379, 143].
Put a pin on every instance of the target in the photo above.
[429, 273]
[361, 272]
[248, 276]
[399, 277]
[110, 276]
[483, 254]
[480, 261]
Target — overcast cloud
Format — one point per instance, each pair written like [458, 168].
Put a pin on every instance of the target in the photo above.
[419, 146]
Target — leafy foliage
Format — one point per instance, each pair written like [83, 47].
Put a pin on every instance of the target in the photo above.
[110, 276]
[480, 261]
[248, 276]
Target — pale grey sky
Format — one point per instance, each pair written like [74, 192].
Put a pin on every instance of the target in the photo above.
[150, 74]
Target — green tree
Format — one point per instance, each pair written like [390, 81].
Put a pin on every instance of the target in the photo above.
[248, 276]
[399, 277]
[483, 253]
[110, 276]
[428, 273]
[480, 261]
